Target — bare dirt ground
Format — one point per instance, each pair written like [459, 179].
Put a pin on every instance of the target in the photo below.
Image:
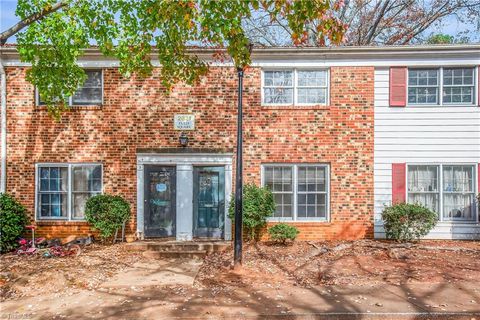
[369, 279]
[349, 263]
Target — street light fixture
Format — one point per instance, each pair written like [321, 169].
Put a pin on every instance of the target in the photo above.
[237, 250]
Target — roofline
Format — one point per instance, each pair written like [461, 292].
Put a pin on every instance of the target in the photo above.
[263, 52]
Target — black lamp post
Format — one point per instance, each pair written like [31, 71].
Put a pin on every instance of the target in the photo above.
[237, 253]
[237, 250]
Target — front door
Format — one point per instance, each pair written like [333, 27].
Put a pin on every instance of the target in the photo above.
[160, 201]
[208, 202]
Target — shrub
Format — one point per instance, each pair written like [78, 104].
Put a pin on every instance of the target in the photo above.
[13, 218]
[405, 222]
[258, 204]
[106, 213]
[282, 232]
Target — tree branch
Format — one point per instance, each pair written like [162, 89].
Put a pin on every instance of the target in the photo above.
[380, 16]
[29, 20]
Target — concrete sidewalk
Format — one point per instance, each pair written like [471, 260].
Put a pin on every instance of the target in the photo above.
[424, 301]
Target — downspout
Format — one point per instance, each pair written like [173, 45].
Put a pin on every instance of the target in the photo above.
[3, 151]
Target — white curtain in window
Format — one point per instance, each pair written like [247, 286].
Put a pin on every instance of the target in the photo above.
[423, 186]
[458, 200]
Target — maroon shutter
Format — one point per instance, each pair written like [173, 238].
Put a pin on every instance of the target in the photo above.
[398, 182]
[398, 86]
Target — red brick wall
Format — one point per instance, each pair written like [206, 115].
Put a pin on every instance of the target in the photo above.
[137, 114]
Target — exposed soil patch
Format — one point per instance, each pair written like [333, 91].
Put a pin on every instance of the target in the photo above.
[303, 278]
[344, 263]
[33, 275]
[265, 266]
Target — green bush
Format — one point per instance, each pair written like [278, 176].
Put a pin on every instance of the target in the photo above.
[13, 218]
[258, 205]
[282, 232]
[405, 222]
[106, 213]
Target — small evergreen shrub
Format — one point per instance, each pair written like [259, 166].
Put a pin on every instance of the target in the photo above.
[282, 232]
[405, 221]
[106, 213]
[13, 218]
[258, 205]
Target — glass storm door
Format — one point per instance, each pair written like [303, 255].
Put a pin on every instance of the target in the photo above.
[160, 201]
[209, 201]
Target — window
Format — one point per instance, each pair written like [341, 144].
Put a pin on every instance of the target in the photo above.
[441, 86]
[278, 87]
[423, 186]
[446, 189]
[300, 191]
[423, 86]
[91, 93]
[458, 192]
[458, 86]
[63, 189]
[295, 87]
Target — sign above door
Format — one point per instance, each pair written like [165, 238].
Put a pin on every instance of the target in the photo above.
[184, 122]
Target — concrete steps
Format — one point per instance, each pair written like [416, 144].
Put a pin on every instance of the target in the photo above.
[177, 249]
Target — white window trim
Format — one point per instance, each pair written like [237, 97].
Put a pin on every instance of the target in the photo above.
[294, 167]
[70, 99]
[295, 86]
[69, 167]
[476, 187]
[440, 102]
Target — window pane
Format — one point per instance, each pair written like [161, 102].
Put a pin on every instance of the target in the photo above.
[278, 95]
[53, 178]
[312, 95]
[458, 178]
[422, 178]
[459, 206]
[278, 78]
[87, 96]
[423, 95]
[78, 205]
[53, 205]
[279, 180]
[458, 94]
[91, 91]
[429, 200]
[422, 77]
[311, 181]
[87, 178]
[317, 78]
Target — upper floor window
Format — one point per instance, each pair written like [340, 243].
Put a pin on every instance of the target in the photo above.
[441, 86]
[91, 93]
[63, 189]
[295, 87]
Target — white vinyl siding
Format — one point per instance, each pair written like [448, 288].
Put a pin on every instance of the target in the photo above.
[426, 135]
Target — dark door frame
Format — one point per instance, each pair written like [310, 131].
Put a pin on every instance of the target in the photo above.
[173, 201]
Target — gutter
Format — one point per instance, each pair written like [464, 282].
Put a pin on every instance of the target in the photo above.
[3, 132]
[366, 52]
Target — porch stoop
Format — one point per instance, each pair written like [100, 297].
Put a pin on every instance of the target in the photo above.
[178, 249]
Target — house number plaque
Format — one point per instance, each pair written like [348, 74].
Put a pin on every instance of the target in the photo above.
[184, 122]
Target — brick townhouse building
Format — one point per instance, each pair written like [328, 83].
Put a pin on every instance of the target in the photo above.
[336, 133]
